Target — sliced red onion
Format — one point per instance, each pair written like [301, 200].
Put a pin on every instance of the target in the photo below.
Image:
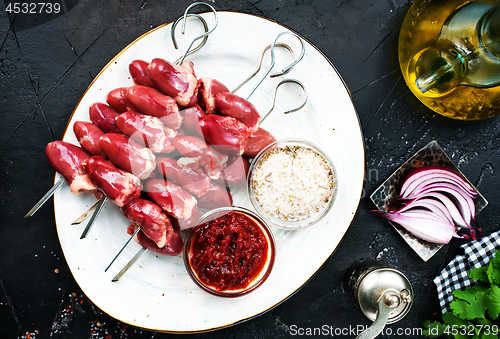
[427, 175]
[423, 225]
[436, 204]
[457, 217]
[463, 201]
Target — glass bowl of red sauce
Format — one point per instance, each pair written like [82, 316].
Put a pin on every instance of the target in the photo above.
[230, 253]
[292, 183]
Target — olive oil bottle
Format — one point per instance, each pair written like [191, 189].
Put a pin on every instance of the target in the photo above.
[449, 54]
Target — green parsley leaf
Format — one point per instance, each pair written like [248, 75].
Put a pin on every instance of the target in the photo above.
[492, 302]
[479, 274]
[494, 269]
[452, 319]
[480, 287]
[468, 304]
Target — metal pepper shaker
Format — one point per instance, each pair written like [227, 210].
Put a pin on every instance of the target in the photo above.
[383, 294]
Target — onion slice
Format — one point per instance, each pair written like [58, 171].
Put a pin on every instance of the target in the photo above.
[427, 175]
[435, 204]
[457, 217]
[464, 202]
[424, 225]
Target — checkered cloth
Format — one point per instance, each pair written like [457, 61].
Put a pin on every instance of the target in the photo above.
[454, 276]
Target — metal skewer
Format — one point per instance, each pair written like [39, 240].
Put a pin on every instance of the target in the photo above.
[174, 41]
[273, 61]
[204, 35]
[100, 205]
[260, 65]
[129, 264]
[46, 197]
[295, 81]
[86, 214]
[123, 247]
[285, 71]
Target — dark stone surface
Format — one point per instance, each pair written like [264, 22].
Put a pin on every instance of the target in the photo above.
[47, 62]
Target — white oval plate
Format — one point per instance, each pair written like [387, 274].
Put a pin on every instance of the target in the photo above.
[157, 293]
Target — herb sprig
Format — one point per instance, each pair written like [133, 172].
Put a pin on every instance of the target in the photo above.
[475, 310]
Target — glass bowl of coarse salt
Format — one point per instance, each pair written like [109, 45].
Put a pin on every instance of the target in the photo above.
[292, 183]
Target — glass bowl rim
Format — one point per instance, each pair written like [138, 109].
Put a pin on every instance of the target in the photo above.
[263, 275]
[287, 224]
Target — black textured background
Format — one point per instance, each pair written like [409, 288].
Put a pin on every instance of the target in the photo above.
[47, 62]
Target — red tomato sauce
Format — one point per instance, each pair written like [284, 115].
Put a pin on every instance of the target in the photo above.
[228, 252]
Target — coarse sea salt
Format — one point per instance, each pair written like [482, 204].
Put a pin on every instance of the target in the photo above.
[293, 182]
